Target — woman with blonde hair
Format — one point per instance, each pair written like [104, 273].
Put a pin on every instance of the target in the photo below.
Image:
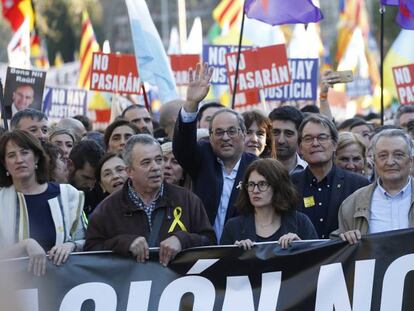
[351, 153]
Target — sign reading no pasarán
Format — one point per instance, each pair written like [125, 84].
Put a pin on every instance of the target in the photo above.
[374, 274]
[259, 68]
[115, 73]
[180, 64]
[404, 82]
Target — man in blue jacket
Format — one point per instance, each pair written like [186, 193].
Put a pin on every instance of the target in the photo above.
[322, 185]
[217, 166]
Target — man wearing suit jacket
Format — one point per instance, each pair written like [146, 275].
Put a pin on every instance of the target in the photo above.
[215, 166]
[323, 185]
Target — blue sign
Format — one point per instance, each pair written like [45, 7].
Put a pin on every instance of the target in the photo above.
[62, 103]
[215, 55]
[359, 87]
[304, 75]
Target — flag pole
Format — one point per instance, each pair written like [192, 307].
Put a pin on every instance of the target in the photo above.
[147, 104]
[382, 11]
[3, 110]
[233, 100]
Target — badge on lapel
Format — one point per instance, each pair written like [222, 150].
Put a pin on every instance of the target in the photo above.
[309, 201]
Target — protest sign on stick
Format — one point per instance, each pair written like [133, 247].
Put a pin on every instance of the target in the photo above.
[115, 73]
[180, 64]
[215, 56]
[259, 68]
[23, 89]
[60, 103]
[304, 82]
[404, 82]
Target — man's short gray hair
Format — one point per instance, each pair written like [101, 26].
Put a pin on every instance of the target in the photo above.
[143, 139]
[26, 113]
[240, 119]
[393, 133]
[321, 120]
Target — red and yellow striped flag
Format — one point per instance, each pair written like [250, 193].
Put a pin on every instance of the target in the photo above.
[353, 13]
[228, 12]
[88, 45]
[16, 11]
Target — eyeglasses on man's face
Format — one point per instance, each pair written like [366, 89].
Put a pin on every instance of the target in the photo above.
[261, 185]
[321, 138]
[231, 132]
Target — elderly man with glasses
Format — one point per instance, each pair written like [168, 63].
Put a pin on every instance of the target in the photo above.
[217, 166]
[322, 185]
[388, 203]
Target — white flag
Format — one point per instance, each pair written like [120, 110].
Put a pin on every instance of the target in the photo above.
[194, 43]
[152, 61]
[18, 49]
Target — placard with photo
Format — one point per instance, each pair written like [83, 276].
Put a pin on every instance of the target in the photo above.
[23, 89]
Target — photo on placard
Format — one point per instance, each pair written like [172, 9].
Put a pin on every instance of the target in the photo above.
[23, 89]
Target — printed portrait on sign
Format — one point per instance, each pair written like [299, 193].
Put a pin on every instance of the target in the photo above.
[24, 89]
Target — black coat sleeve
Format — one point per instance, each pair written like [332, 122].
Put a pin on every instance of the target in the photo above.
[306, 230]
[185, 147]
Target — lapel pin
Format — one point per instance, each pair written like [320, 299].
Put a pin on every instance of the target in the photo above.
[239, 186]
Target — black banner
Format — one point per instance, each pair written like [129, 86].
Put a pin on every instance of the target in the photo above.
[374, 274]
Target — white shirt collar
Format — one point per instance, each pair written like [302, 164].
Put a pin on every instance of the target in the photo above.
[384, 192]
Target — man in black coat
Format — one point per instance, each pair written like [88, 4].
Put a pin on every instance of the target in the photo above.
[322, 185]
[217, 166]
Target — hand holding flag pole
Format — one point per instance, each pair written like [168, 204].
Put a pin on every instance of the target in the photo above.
[276, 12]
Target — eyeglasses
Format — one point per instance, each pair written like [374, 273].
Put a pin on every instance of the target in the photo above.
[261, 185]
[322, 139]
[231, 132]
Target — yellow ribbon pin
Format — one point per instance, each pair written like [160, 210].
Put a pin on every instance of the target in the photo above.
[177, 215]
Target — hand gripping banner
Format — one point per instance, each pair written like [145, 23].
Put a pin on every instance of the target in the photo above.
[374, 274]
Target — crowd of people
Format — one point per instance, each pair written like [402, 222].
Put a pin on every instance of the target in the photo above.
[204, 175]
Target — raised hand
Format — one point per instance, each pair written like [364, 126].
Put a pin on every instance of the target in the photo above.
[329, 78]
[198, 87]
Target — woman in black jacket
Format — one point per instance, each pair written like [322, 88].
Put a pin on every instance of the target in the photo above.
[267, 203]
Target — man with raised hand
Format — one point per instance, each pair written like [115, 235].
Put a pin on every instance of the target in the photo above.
[215, 166]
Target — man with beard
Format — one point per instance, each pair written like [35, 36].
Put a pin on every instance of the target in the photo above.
[140, 116]
[285, 123]
[216, 166]
[82, 163]
[147, 212]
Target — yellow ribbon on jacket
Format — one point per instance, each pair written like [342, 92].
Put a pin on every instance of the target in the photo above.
[177, 215]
